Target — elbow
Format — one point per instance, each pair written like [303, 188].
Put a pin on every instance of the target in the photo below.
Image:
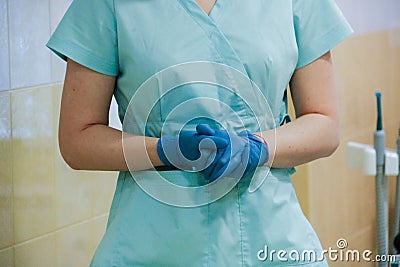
[69, 155]
[69, 158]
[332, 133]
[331, 147]
[72, 164]
[331, 144]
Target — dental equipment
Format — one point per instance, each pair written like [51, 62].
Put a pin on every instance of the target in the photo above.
[379, 162]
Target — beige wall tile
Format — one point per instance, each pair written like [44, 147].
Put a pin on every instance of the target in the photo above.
[33, 162]
[74, 245]
[39, 252]
[301, 183]
[102, 191]
[73, 191]
[98, 229]
[85, 193]
[6, 197]
[57, 92]
[7, 257]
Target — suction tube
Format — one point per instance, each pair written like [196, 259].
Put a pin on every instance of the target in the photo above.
[396, 220]
[381, 186]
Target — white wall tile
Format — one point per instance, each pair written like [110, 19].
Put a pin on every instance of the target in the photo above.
[58, 67]
[57, 11]
[29, 25]
[367, 16]
[113, 115]
[394, 14]
[4, 56]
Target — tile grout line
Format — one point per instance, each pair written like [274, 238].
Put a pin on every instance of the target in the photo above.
[11, 130]
[36, 86]
[9, 43]
[58, 230]
[50, 29]
[55, 203]
[12, 173]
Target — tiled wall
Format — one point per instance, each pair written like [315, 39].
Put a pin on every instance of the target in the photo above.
[50, 215]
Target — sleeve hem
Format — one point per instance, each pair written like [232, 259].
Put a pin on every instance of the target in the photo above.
[65, 49]
[323, 44]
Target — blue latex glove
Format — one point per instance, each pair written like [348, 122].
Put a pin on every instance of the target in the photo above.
[189, 150]
[244, 153]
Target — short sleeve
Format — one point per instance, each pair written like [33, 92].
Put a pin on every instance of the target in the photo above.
[87, 35]
[319, 26]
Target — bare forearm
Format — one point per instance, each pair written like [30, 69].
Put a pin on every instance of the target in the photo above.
[309, 137]
[315, 132]
[99, 147]
[86, 142]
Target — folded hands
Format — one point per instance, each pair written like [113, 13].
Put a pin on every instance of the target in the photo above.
[215, 153]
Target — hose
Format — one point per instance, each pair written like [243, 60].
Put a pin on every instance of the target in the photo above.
[381, 186]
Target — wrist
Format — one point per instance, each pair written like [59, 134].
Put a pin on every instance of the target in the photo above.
[264, 150]
[259, 136]
[160, 159]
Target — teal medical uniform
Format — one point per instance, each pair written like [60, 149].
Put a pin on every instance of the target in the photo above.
[266, 40]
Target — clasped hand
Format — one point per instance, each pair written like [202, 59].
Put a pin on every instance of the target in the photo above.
[216, 153]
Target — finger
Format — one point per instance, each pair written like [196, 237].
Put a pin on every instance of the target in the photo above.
[234, 169]
[209, 155]
[221, 165]
[212, 143]
[224, 160]
[210, 169]
[237, 163]
[205, 129]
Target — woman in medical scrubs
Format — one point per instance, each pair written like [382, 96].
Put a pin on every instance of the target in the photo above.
[137, 50]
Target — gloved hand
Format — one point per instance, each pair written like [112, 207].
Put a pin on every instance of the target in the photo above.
[189, 150]
[240, 158]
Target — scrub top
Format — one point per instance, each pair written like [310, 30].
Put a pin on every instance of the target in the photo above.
[265, 41]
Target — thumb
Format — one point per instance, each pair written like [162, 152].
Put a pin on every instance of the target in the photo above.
[204, 129]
